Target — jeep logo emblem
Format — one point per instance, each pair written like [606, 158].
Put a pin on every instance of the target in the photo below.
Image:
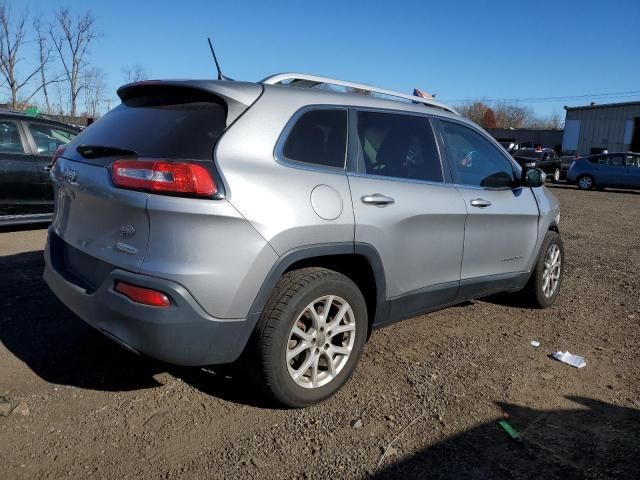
[127, 231]
[70, 174]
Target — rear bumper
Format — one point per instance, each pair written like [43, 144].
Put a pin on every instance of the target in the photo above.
[571, 176]
[182, 334]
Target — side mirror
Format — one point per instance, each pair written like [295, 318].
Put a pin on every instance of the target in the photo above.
[533, 177]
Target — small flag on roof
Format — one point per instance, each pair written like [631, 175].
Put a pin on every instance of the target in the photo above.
[423, 94]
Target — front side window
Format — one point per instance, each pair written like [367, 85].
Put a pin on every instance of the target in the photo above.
[474, 160]
[318, 137]
[10, 141]
[400, 146]
[633, 161]
[49, 138]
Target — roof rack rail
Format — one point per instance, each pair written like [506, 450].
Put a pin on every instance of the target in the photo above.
[306, 80]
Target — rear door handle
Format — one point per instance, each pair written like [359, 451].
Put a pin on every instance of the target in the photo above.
[480, 203]
[377, 199]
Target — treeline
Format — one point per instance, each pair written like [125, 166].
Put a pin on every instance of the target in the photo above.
[508, 115]
[46, 61]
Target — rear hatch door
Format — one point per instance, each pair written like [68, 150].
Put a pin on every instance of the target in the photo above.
[99, 223]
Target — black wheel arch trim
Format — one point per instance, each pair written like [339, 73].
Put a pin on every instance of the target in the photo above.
[324, 250]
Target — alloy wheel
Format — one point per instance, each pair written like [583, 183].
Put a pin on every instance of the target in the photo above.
[321, 341]
[552, 270]
[585, 183]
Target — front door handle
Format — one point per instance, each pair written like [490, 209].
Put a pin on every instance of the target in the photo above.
[377, 199]
[480, 203]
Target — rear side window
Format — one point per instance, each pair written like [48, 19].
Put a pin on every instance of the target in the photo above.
[172, 123]
[474, 160]
[319, 137]
[400, 146]
[10, 138]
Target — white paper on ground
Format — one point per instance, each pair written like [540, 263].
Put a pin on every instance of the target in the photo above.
[535, 343]
[573, 360]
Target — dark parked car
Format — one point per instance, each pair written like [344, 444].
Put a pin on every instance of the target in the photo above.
[606, 170]
[26, 146]
[545, 159]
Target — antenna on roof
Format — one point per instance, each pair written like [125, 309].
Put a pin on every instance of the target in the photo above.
[215, 59]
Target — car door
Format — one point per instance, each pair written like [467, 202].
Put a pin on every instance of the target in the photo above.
[611, 171]
[19, 176]
[44, 140]
[501, 228]
[632, 171]
[406, 208]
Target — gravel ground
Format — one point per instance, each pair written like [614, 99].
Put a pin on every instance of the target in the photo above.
[424, 402]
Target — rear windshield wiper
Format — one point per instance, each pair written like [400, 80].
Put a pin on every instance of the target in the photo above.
[95, 151]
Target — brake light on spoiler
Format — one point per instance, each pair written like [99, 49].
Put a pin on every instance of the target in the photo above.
[161, 176]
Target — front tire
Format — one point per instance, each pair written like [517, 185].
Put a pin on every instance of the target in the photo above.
[310, 336]
[543, 287]
[556, 176]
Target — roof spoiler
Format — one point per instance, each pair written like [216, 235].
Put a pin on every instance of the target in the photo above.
[238, 96]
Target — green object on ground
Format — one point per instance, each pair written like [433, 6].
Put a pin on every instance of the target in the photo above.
[509, 429]
[32, 111]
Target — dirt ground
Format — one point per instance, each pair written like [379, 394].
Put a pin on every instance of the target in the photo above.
[424, 402]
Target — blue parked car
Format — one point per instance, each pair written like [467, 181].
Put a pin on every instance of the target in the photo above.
[606, 170]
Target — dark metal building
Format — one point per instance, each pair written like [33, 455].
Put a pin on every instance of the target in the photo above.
[594, 128]
[529, 137]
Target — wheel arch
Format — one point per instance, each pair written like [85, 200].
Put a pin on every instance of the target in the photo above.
[360, 262]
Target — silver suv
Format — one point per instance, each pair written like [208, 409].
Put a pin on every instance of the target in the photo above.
[204, 222]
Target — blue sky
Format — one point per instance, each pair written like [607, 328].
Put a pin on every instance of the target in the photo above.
[459, 50]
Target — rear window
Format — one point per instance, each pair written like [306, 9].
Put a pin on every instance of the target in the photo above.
[174, 123]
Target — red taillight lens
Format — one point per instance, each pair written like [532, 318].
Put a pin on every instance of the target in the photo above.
[163, 177]
[145, 296]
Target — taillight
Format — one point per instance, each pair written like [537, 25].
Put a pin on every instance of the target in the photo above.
[181, 178]
[142, 295]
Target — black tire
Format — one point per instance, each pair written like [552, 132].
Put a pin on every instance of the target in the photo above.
[292, 294]
[557, 175]
[533, 292]
[585, 182]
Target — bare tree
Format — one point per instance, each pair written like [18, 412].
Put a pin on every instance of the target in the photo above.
[134, 73]
[94, 87]
[12, 39]
[473, 111]
[45, 51]
[71, 38]
[511, 115]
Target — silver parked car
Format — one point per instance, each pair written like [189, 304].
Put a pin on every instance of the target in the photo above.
[200, 222]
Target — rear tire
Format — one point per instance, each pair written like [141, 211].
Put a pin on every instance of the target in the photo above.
[556, 176]
[585, 182]
[543, 286]
[305, 357]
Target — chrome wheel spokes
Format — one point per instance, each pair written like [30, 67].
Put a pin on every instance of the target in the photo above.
[320, 341]
[552, 270]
